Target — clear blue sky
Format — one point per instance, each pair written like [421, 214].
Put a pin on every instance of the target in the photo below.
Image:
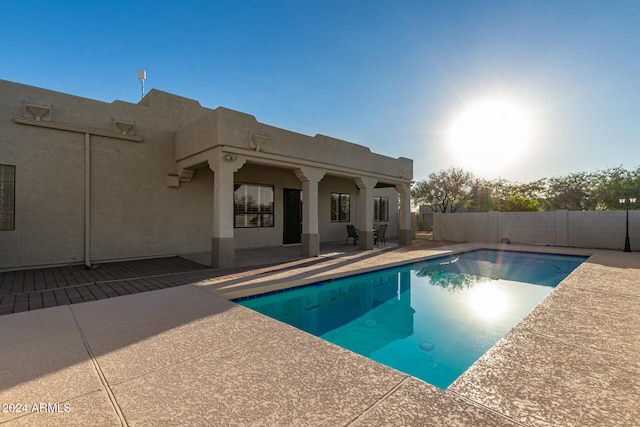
[390, 75]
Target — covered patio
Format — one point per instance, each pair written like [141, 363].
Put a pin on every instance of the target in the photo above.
[237, 149]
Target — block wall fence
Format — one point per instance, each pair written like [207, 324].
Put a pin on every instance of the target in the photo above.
[583, 229]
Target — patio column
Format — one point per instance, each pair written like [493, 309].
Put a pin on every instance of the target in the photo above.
[223, 250]
[310, 178]
[365, 212]
[405, 233]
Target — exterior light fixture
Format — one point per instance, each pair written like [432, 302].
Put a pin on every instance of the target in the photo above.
[626, 201]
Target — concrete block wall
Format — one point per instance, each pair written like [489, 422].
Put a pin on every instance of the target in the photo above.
[584, 229]
[603, 229]
[530, 227]
[465, 226]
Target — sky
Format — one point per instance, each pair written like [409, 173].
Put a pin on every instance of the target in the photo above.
[556, 82]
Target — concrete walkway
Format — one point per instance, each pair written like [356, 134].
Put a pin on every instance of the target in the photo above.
[184, 355]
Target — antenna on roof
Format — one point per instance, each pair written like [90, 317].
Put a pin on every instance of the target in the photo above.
[142, 75]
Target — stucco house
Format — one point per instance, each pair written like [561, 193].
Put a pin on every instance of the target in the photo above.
[83, 181]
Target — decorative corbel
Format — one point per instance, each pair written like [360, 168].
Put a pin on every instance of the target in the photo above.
[186, 175]
[172, 181]
[258, 141]
[124, 126]
[38, 112]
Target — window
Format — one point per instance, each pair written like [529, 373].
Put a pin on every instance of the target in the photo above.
[7, 197]
[252, 206]
[381, 209]
[340, 207]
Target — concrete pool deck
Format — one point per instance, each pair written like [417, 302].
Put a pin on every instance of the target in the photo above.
[184, 355]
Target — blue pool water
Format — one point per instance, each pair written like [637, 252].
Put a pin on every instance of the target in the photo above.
[431, 320]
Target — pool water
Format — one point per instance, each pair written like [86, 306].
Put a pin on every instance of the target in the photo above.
[432, 319]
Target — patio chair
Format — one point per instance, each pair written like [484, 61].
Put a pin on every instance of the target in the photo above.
[379, 235]
[352, 233]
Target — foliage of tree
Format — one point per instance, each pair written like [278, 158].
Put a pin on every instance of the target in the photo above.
[614, 183]
[483, 196]
[502, 195]
[444, 191]
[520, 204]
[454, 189]
[572, 192]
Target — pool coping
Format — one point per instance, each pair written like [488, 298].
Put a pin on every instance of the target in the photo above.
[233, 293]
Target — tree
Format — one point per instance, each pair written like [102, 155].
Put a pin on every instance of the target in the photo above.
[444, 191]
[525, 197]
[451, 189]
[482, 196]
[575, 191]
[502, 195]
[614, 183]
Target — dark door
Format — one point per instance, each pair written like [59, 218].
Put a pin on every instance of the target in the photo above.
[292, 216]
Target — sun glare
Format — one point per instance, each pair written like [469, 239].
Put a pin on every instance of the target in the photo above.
[490, 134]
[488, 301]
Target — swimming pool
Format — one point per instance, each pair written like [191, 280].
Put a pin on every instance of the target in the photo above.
[432, 319]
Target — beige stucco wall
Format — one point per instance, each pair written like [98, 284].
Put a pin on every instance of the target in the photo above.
[392, 224]
[335, 231]
[284, 178]
[49, 201]
[133, 213]
[279, 178]
[234, 129]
